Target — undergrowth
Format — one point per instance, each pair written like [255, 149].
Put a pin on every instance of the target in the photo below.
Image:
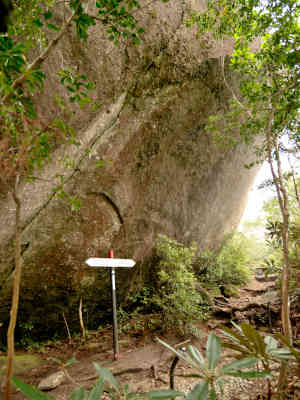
[183, 286]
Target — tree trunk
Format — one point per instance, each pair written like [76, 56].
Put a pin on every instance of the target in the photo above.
[295, 184]
[15, 294]
[283, 203]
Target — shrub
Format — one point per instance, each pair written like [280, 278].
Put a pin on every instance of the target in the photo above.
[177, 296]
[208, 269]
[235, 261]
[230, 266]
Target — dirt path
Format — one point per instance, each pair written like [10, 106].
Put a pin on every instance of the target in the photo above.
[143, 363]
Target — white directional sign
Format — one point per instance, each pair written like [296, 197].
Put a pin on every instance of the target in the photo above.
[110, 262]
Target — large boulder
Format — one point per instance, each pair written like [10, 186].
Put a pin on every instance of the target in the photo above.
[162, 173]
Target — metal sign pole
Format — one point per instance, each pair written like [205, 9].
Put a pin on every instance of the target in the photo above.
[114, 304]
[112, 263]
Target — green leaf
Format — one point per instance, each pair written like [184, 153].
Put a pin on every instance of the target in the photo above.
[53, 27]
[247, 362]
[212, 394]
[199, 392]
[47, 15]
[37, 22]
[213, 350]
[282, 354]
[162, 394]
[254, 337]
[251, 374]
[285, 341]
[220, 382]
[133, 396]
[192, 376]
[30, 391]
[180, 354]
[237, 327]
[78, 394]
[237, 347]
[196, 354]
[235, 337]
[271, 343]
[106, 375]
[97, 391]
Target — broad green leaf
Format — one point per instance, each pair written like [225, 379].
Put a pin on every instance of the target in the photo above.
[133, 396]
[237, 327]
[162, 394]
[271, 343]
[212, 394]
[236, 337]
[78, 394]
[282, 354]
[199, 392]
[53, 27]
[192, 376]
[37, 22]
[238, 348]
[97, 391]
[30, 391]
[47, 14]
[250, 374]
[196, 354]
[294, 351]
[220, 382]
[247, 362]
[213, 350]
[254, 336]
[106, 375]
[180, 354]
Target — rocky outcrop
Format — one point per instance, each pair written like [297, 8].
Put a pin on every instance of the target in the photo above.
[162, 171]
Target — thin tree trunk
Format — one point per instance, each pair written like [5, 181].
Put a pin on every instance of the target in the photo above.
[81, 320]
[15, 294]
[283, 204]
[295, 184]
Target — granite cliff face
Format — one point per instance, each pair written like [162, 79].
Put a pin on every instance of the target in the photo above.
[162, 172]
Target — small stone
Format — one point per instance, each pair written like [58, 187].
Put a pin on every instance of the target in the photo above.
[52, 381]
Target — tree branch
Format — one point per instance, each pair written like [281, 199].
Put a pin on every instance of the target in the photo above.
[231, 90]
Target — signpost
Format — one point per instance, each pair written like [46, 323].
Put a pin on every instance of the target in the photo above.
[112, 263]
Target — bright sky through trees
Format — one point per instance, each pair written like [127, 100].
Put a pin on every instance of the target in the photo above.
[257, 197]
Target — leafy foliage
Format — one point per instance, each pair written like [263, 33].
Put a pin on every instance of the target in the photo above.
[211, 374]
[268, 69]
[274, 233]
[114, 391]
[183, 285]
[176, 295]
[232, 265]
[250, 343]
[26, 142]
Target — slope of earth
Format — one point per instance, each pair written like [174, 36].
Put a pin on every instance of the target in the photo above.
[257, 303]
